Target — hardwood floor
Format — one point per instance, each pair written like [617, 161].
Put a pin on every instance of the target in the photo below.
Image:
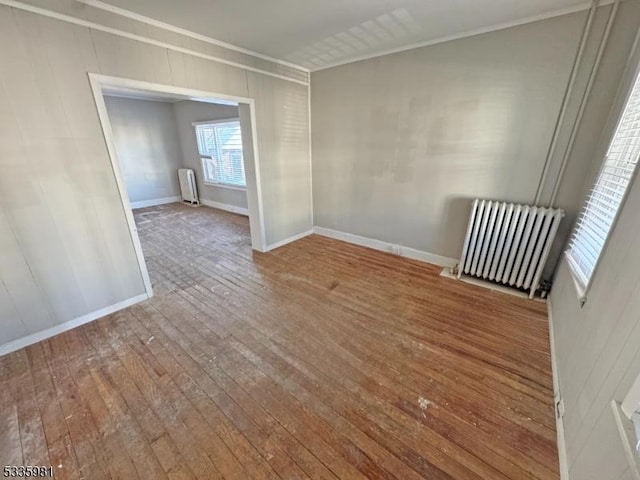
[318, 360]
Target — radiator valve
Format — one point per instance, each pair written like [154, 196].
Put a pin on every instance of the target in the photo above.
[545, 288]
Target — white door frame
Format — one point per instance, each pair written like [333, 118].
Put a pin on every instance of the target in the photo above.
[254, 188]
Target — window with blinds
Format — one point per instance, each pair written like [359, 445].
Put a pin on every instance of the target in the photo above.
[220, 147]
[601, 207]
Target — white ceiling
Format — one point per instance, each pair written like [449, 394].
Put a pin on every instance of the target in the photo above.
[320, 33]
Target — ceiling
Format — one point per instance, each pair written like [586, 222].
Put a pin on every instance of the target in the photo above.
[316, 34]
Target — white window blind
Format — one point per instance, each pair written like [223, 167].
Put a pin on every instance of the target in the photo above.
[220, 147]
[602, 205]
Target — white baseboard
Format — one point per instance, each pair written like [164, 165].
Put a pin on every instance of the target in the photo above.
[281, 243]
[19, 343]
[387, 247]
[155, 202]
[557, 395]
[226, 207]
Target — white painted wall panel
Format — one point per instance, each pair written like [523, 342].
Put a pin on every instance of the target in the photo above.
[626, 475]
[20, 297]
[58, 194]
[146, 138]
[88, 13]
[598, 349]
[598, 346]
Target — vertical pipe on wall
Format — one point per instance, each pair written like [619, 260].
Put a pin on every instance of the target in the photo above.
[310, 149]
[583, 102]
[565, 100]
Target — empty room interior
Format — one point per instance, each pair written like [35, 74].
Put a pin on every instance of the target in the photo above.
[364, 239]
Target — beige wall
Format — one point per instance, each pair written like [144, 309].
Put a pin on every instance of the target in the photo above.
[403, 142]
[598, 346]
[598, 349]
[591, 140]
[145, 134]
[186, 113]
[424, 131]
[65, 249]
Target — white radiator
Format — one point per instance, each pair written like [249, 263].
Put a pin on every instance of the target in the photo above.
[508, 243]
[188, 186]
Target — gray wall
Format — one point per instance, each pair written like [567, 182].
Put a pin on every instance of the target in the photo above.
[186, 113]
[148, 148]
[591, 140]
[401, 143]
[598, 350]
[65, 248]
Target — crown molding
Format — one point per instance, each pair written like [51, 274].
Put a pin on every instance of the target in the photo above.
[469, 33]
[187, 33]
[132, 36]
[168, 27]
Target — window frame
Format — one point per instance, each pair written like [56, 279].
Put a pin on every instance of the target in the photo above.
[206, 182]
[630, 77]
[630, 408]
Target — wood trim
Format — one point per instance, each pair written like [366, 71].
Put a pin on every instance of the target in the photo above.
[187, 33]
[258, 235]
[383, 246]
[286, 241]
[220, 120]
[223, 185]
[154, 202]
[262, 243]
[127, 84]
[226, 207]
[103, 116]
[557, 395]
[627, 437]
[27, 340]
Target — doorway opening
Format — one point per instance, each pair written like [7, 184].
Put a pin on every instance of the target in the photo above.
[212, 134]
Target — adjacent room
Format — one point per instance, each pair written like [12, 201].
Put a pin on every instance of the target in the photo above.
[172, 150]
[154, 137]
[329, 240]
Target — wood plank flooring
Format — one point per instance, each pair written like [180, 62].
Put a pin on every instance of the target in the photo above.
[318, 360]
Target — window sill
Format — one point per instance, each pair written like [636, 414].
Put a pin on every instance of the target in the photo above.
[627, 435]
[224, 185]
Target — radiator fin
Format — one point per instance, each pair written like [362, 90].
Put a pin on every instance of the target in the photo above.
[508, 243]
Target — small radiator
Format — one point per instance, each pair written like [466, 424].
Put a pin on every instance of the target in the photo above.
[508, 243]
[188, 186]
